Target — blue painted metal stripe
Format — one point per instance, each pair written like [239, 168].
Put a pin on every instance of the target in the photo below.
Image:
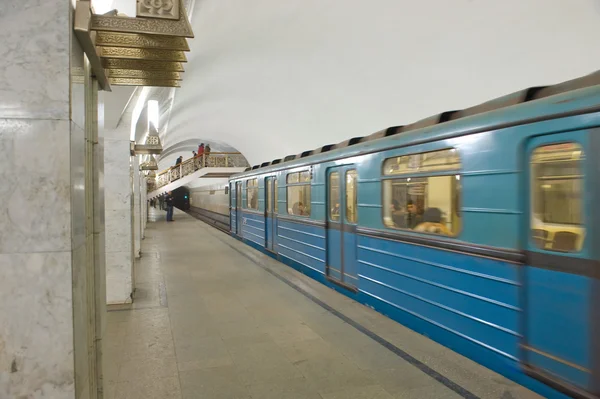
[439, 305]
[445, 287]
[301, 242]
[301, 253]
[441, 266]
[440, 326]
[300, 231]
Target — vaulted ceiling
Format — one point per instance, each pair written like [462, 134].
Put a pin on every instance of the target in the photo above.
[273, 78]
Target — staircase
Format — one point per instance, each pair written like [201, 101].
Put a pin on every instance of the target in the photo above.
[221, 164]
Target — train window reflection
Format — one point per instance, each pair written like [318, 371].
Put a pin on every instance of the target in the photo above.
[276, 194]
[334, 196]
[298, 193]
[252, 194]
[434, 161]
[557, 200]
[351, 197]
[423, 202]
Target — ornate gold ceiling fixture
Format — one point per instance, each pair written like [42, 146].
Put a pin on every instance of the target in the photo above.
[148, 50]
[150, 164]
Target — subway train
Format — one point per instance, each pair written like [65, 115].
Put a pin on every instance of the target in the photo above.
[474, 227]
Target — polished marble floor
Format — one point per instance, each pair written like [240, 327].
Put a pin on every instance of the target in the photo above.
[216, 319]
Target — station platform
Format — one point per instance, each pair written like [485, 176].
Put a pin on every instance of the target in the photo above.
[213, 318]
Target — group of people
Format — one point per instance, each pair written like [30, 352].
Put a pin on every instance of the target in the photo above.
[202, 150]
[415, 218]
[165, 202]
[300, 209]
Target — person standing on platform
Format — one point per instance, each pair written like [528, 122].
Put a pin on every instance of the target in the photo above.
[169, 201]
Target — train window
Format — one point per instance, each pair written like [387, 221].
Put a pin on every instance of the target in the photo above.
[298, 177]
[252, 194]
[351, 198]
[428, 204]
[298, 193]
[268, 195]
[557, 198]
[276, 194]
[435, 161]
[334, 195]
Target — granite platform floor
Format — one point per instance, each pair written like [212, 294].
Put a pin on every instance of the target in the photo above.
[215, 319]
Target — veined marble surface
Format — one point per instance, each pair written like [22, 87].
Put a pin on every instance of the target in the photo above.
[78, 217]
[36, 346]
[118, 230]
[34, 59]
[137, 209]
[119, 281]
[116, 157]
[35, 190]
[118, 192]
[118, 205]
[81, 326]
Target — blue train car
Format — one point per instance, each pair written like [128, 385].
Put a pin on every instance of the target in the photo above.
[476, 228]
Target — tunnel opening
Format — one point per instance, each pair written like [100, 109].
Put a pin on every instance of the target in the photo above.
[181, 198]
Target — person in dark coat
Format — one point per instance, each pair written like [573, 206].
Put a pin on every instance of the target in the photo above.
[169, 200]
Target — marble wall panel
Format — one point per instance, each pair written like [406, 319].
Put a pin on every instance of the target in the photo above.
[77, 104]
[118, 192]
[122, 132]
[99, 184]
[119, 283]
[35, 191]
[137, 209]
[80, 319]
[118, 230]
[78, 210]
[116, 157]
[34, 59]
[36, 296]
[100, 261]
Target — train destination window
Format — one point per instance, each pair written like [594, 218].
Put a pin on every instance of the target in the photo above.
[298, 193]
[429, 204]
[334, 195]
[252, 194]
[351, 198]
[557, 198]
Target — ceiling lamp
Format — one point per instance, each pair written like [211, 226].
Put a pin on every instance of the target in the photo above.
[150, 164]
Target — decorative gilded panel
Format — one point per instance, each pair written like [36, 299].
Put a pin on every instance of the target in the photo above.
[114, 63]
[134, 40]
[168, 9]
[139, 74]
[142, 54]
[154, 26]
[144, 82]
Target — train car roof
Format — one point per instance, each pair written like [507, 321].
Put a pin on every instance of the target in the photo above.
[536, 103]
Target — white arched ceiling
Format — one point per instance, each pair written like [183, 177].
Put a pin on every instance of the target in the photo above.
[274, 78]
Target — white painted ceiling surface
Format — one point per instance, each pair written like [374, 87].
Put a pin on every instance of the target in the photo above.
[273, 78]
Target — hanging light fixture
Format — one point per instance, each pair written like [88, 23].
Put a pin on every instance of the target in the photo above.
[150, 164]
[152, 145]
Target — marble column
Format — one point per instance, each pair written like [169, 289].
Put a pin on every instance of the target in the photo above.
[118, 193]
[137, 209]
[47, 308]
[144, 202]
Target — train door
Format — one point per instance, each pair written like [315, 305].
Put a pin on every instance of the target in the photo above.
[341, 226]
[270, 212]
[238, 208]
[558, 276]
